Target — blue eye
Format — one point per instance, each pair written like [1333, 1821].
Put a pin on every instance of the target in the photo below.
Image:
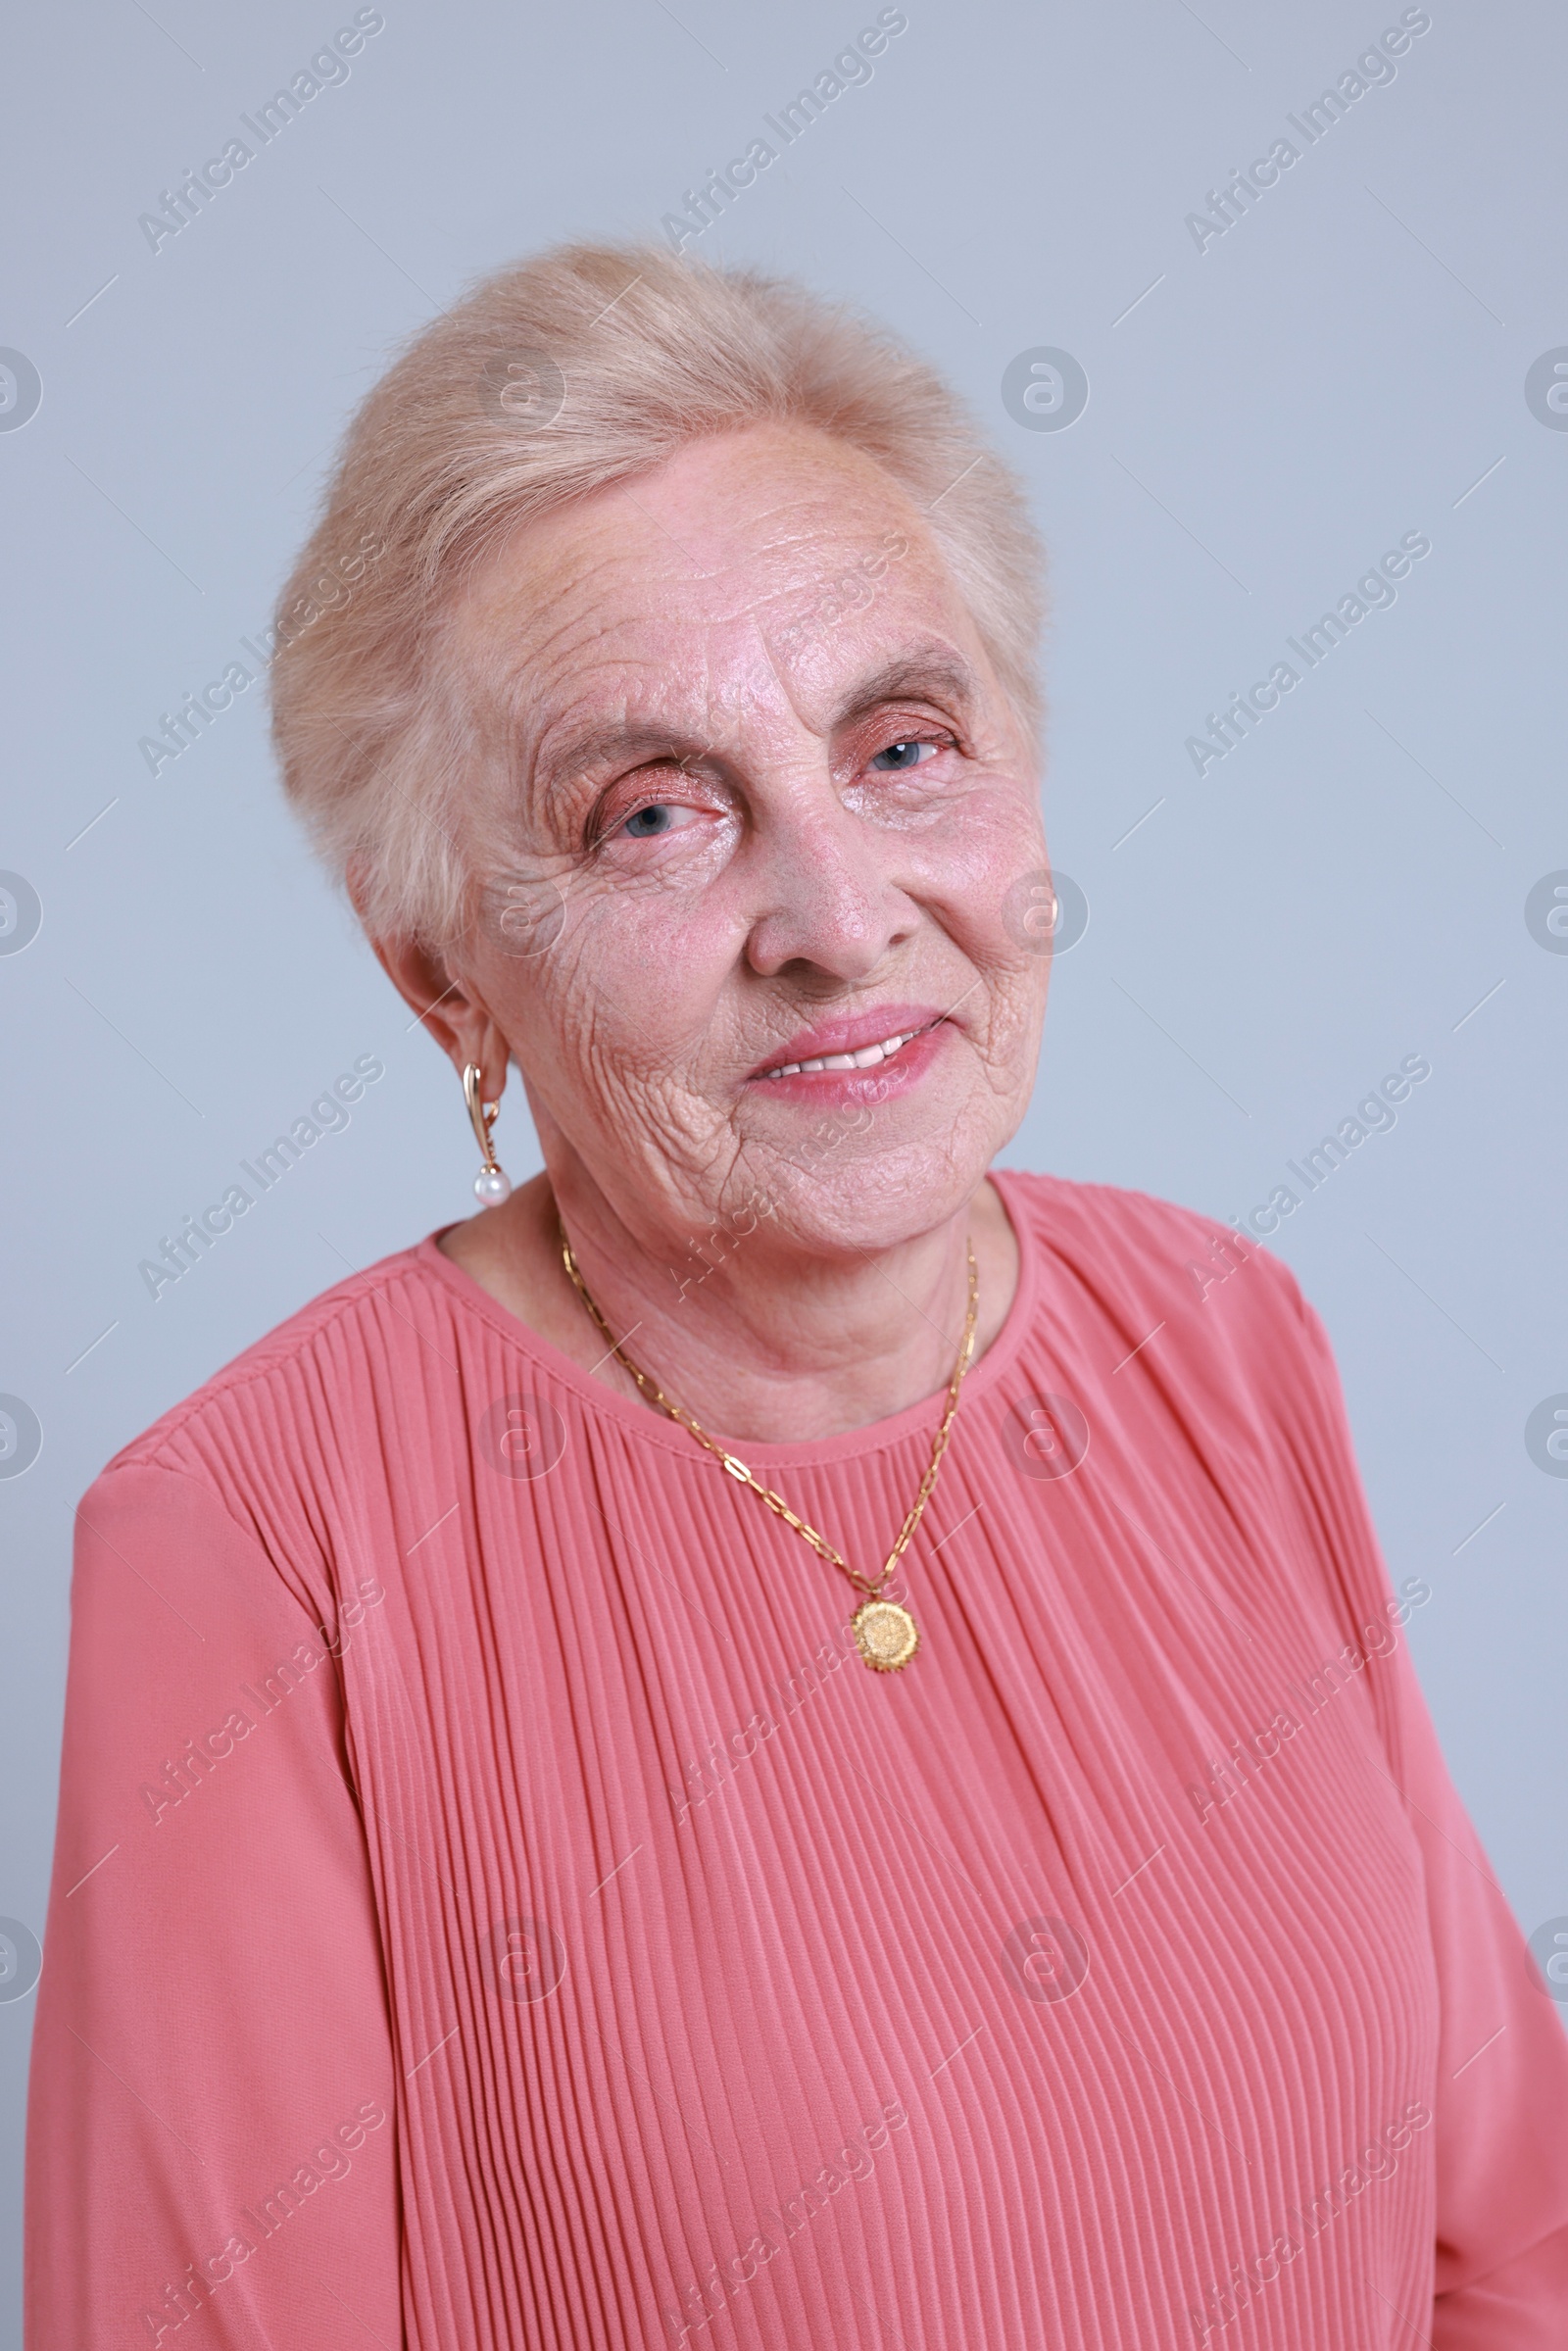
[900, 755]
[645, 823]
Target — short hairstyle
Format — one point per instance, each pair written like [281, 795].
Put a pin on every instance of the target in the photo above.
[586, 365]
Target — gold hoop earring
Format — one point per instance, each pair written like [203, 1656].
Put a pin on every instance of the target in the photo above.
[492, 1185]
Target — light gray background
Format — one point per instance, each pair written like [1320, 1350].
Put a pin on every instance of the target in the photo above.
[1344, 366]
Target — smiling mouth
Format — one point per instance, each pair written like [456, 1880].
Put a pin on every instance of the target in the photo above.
[869, 1056]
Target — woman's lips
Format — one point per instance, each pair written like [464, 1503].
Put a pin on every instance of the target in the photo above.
[870, 1071]
[867, 1056]
[866, 1042]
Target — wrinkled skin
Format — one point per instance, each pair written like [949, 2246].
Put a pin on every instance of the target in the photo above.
[744, 768]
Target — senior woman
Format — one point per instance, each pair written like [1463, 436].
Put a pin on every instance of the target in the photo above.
[777, 1739]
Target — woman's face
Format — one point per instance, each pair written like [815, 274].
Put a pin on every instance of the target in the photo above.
[761, 802]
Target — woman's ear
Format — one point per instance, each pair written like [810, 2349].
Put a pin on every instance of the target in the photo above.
[453, 1012]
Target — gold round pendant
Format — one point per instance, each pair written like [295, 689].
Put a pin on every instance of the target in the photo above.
[885, 1634]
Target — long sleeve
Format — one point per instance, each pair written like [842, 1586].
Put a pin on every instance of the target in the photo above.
[1501, 2106]
[1500, 2101]
[212, 2113]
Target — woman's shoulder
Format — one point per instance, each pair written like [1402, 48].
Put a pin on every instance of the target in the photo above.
[1190, 1298]
[1121, 1224]
[1153, 1256]
[318, 1368]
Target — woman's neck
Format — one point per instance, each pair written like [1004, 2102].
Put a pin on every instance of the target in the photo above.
[755, 1344]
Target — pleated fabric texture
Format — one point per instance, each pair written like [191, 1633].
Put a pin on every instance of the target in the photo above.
[494, 1905]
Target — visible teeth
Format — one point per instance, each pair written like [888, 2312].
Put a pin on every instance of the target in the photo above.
[866, 1058]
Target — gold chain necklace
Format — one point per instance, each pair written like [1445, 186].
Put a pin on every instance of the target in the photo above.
[885, 1632]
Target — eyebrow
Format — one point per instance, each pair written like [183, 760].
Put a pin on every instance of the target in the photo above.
[928, 673]
[597, 745]
[925, 674]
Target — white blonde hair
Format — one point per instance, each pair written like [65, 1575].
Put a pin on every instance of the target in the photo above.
[583, 366]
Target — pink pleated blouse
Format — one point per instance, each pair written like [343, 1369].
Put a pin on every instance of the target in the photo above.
[495, 1906]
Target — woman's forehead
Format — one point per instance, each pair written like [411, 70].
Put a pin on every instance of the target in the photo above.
[736, 561]
[721, 534]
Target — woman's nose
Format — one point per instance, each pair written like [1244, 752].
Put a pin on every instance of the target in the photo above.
[823, 897]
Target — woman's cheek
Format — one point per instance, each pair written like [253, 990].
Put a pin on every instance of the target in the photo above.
[589, 1013]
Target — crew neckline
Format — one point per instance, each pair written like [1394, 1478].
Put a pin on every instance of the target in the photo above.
[875, 1436]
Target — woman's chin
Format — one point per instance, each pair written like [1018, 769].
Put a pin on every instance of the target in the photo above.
[839, 1199]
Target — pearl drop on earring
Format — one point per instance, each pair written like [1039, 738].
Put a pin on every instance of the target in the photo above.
[492, 1185]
